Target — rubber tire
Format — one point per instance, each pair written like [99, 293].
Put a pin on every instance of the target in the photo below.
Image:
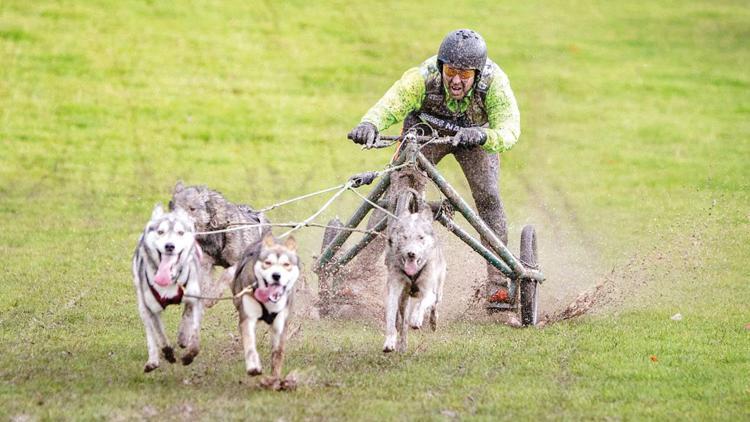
[529, 288]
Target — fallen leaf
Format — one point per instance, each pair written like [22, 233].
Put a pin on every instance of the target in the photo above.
[653, 358]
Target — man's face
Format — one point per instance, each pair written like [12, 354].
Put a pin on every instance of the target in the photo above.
[458, 82]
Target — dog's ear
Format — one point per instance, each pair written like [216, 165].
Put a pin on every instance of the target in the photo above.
[157, 212]
[290, 243]
[178, 187]
[268, 240]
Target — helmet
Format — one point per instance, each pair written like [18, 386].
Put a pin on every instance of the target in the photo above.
[464, 49]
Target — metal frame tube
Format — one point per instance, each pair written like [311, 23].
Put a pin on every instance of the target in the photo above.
[353, 222]
[472, 217]
[366, 239]
[358, 215]
[347, 256]
[475, 244]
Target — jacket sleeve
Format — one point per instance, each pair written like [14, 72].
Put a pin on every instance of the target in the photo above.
[503, 116]
[405, 96]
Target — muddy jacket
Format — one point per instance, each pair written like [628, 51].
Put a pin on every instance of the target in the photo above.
[420, 93]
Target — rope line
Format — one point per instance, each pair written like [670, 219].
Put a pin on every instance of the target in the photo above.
[289, 201]
[347, 185]
[244, 226]
[373, 203]
[246, 290]
[308, 221]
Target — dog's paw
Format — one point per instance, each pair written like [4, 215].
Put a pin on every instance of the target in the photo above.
[168, 353]
[187, 359]
[253, 372]
[415, 323]
[390, 344]
[271, 383]
[150, 366]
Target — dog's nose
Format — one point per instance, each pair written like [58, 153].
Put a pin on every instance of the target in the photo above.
[411, 255]
[276, 276]
[169, 247]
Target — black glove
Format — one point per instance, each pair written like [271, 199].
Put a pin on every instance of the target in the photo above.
[364, 133]
[469, 137]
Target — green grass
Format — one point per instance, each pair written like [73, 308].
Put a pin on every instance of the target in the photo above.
[636, 136]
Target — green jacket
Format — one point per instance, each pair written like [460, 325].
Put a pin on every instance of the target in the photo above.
[408, 93]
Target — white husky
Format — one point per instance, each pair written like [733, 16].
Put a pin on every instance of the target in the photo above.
[166, 267]
[416, 274]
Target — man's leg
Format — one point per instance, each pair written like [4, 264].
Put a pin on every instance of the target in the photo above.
[482, 171]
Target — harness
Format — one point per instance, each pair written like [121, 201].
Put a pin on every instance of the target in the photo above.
[436, 113]
[413, 288]
[268, 317]
[164, 301]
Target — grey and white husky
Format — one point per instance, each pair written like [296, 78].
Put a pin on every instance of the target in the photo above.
[166, 268]
[416, 274]
[267, 271]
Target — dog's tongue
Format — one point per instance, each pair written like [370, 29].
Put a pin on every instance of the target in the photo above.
[164, 273]
[263, 294]
[410, 267]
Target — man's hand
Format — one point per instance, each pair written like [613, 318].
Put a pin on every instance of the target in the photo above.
[469, 137]
[364, 134]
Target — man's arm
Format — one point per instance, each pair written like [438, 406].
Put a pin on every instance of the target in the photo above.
[503, 115]
[403, 97]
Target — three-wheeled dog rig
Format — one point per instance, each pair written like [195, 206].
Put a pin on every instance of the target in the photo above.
[523, 272]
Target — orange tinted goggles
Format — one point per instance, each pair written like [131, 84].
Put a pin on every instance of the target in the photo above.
[462, 73]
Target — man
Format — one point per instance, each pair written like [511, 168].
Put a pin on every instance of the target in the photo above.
[459, 93]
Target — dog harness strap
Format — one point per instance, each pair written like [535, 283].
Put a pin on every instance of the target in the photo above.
[414, 277]
[163, 301]
[268, 317]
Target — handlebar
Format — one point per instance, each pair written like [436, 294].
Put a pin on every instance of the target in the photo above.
[384, 141]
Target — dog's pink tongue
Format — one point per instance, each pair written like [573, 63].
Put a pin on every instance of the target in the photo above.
[262, 293]
[265, 293]
[164, 273]
[410, 267]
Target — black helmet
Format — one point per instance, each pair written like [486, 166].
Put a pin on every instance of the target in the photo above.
[464, 49]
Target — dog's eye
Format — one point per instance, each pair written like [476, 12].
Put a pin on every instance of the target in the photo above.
[287, 266]
[192, 209]
[267, 264]
[421, 237]
[180, 233]
[160, 232]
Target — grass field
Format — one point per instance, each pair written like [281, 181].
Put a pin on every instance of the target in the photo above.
[636, 138]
